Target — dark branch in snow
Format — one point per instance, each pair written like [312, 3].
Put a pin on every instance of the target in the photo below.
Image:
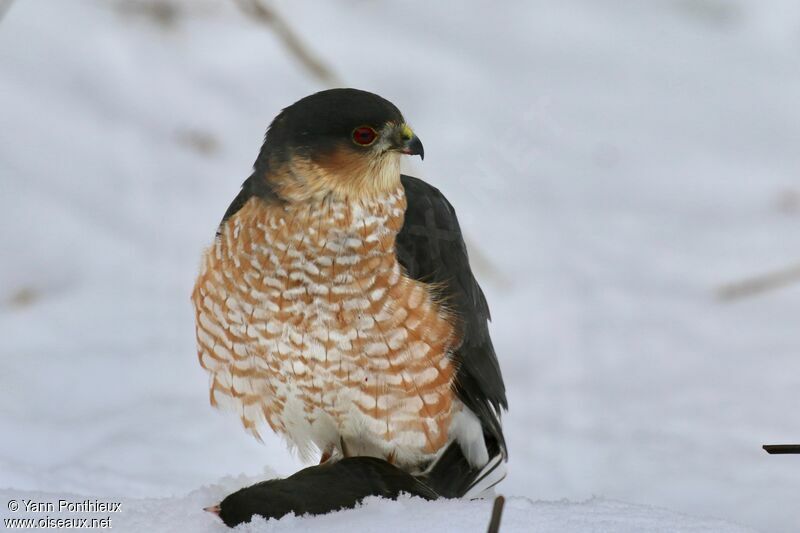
[782, 448]
[497, 513]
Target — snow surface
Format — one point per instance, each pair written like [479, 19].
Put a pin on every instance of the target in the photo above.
[611, 162]
[407, 514]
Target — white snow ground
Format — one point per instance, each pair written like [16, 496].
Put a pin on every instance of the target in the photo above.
[612, 162]
[184, 513]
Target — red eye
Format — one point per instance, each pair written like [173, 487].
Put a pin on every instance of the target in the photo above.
[364, 135]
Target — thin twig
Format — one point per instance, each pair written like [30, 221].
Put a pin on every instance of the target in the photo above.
[268, 16]
[5, 5]
[758, 284]
[781, 448]
[497, 514]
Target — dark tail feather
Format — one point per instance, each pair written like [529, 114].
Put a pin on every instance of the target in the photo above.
[451, 476]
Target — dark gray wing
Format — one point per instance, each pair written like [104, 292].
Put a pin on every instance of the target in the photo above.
[431, 249]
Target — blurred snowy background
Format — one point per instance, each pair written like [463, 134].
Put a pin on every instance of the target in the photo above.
[612, 163]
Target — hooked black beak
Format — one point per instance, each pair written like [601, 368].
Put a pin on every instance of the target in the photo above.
[409, 142]
[414, 147]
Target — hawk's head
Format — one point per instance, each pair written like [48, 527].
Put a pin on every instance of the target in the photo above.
[341, 142]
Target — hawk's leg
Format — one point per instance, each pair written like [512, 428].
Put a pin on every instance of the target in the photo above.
[345, 452]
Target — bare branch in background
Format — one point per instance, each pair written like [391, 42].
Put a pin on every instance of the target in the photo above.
[5, 5]
[164, 13]
[788, 201]
[203, 142]
[167, 15]
[23, 297]
[267, 15]
[758, 284]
